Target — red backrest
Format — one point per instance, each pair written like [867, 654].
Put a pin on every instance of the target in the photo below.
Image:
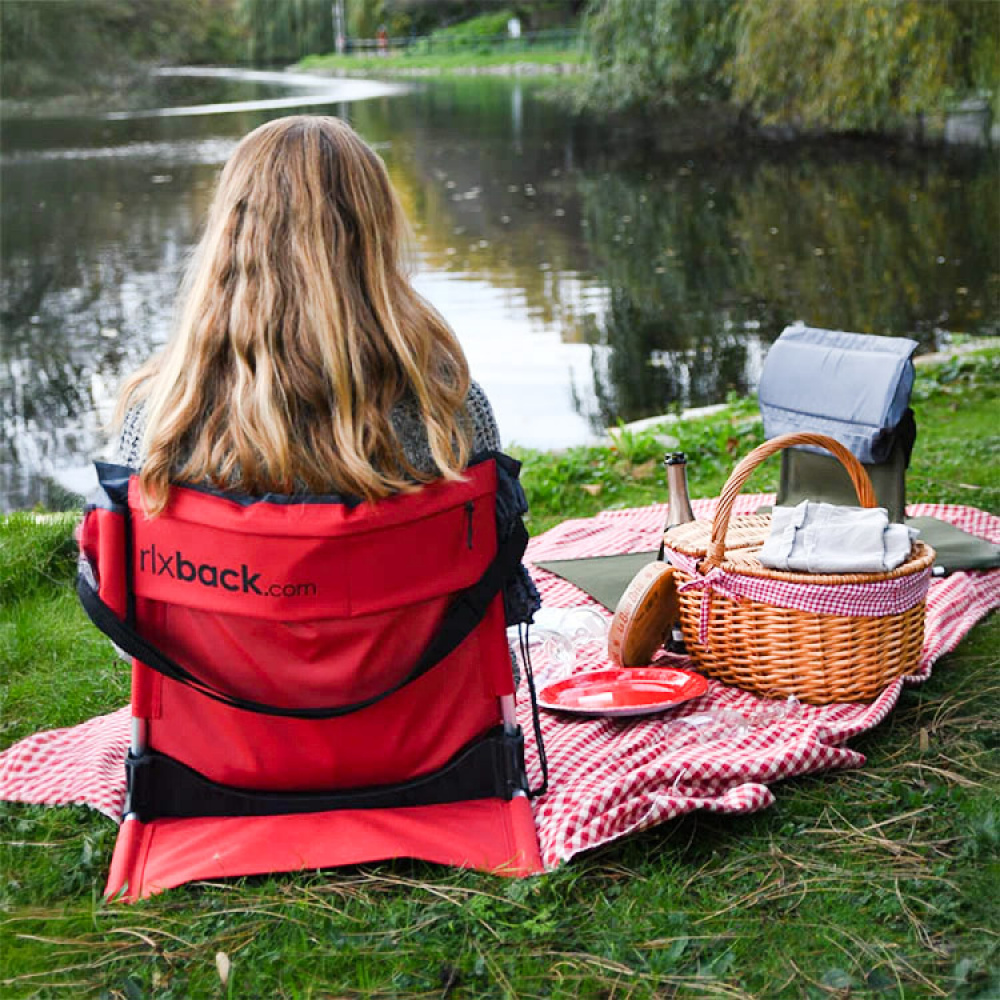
[300, 604]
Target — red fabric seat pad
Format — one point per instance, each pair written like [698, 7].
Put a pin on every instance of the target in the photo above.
[487, 834]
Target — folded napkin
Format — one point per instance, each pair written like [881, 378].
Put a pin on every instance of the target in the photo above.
[824, 538]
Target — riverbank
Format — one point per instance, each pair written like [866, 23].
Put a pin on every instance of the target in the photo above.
[687, 909]
[118, 93]
[669, 126]
[538, 61]
[956, 458]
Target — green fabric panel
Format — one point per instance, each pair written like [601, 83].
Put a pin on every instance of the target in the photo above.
[806, 475]
[956, 549]
[603, 577]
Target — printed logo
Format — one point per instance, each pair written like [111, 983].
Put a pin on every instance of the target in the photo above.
[206, 574]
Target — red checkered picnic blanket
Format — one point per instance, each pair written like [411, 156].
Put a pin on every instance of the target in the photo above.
[608, 777]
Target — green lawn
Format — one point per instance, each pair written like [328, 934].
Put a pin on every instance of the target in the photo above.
[446, 61]
[880, 882]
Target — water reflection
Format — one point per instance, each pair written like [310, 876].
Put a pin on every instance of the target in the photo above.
[906, 247]
[587, 282]
[707, 262]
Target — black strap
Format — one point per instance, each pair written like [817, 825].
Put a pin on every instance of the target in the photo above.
[464, 613]
[160, 786]
[906, 435]
[536, 724]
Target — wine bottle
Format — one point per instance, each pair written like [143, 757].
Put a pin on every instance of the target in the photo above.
[678, 512]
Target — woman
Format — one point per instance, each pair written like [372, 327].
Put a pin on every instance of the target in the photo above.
[304, 361]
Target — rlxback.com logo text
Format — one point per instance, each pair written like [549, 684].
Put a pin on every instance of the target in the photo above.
[208, 574]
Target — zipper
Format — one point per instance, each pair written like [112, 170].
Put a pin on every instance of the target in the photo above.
[469, 509]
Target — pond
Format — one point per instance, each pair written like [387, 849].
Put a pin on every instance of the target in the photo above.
[589, 279]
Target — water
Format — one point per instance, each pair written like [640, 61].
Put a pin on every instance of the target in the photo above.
[588, 279]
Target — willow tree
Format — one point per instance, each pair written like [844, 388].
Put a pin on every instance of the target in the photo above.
[846, 64]
[643, 53]
[834, 64]
[282, 31]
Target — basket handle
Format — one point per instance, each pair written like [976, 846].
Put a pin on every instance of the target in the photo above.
[741, 473]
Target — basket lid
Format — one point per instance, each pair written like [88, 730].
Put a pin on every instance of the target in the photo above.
[745, 537]
[747, 531]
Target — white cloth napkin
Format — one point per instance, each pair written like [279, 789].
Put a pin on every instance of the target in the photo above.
[824, 538]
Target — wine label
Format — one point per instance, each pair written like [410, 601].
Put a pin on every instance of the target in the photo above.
[645, 613]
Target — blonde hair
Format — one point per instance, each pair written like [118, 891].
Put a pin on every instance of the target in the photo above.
[300, 333]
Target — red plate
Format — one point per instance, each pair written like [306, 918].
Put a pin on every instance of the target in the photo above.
[623, 692]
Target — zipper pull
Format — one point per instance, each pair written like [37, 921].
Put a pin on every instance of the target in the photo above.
[469, 508]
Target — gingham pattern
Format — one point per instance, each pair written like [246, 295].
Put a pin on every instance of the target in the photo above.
[83, 765]
[608, 778]
[878, 599]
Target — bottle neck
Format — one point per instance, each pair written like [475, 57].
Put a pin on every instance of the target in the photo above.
[680, 503]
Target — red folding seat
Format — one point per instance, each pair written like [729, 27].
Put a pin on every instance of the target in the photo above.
[316, 681]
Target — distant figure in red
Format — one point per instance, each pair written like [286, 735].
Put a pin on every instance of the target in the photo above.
[382, 38]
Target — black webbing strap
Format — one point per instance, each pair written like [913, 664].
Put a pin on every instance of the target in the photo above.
[536, 724]
[465, 612]
[160, 786]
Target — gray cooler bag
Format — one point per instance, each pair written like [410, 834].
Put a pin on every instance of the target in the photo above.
[852, 387]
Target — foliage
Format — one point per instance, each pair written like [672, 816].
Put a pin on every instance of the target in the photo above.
[864, 66]
[656, 52]
[480, 17]
[285, 30]
[364, 18]
[968, 372]
[484, 26]
[629, 472]
[105, 40]
[53, 46]
[838, 64]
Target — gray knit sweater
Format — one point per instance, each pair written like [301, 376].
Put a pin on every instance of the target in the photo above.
[521, 598]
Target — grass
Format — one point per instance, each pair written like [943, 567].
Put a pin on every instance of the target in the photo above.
[880, 882]
[484, 59]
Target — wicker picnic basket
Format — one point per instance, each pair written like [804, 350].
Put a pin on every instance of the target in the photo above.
[820, 637]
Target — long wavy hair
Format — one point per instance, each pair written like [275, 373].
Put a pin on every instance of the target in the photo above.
[299, 333]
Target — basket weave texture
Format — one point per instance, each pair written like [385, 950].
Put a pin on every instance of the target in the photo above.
[779, 633]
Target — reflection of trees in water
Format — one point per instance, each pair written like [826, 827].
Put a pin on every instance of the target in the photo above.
[706, 264]
[89, 276]
[492, 191]
[892, 248]
[675, 315]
